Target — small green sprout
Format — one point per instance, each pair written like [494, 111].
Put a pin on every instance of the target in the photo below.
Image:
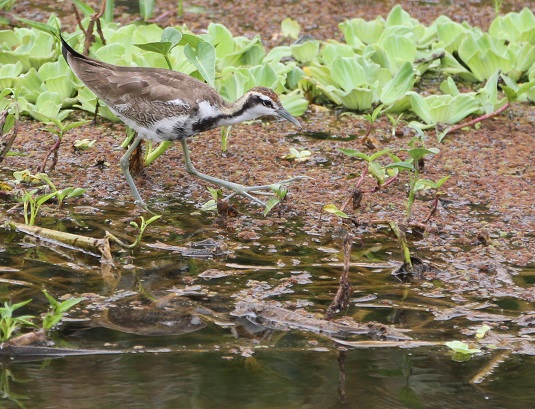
[146, 9]
[211, 204]
[404, 246]
[7, 4]
[48, 109]
[332, 209]
[140, 226]
[371, 118]
[24, 176]
[412, 165]
[280, 195]
[225, 133]
[497, 6]
[67, 193]
[58, 310]
[423, 184]
[395, 122]
[383, 175]
[32, 204]
[10, 324]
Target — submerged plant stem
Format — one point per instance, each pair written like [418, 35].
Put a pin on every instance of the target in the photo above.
[341, 299]
[400, 234]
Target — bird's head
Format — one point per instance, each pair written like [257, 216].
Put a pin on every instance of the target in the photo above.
[263, 101]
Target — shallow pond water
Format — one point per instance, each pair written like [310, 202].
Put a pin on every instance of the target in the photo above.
[273, 378]
[164, 327]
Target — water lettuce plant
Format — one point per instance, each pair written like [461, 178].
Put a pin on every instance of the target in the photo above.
[379, 62]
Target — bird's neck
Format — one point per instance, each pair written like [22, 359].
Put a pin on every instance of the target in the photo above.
[244, 109]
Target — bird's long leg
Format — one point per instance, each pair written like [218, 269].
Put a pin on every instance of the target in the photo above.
[125, 166]
[235, 187]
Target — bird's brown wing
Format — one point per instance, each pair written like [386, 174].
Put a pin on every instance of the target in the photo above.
[118, 85]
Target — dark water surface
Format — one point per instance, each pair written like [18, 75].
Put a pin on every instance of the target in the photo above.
[203, 363]
[376, 378]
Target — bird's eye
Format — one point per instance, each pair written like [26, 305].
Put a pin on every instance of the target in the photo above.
[267, 103]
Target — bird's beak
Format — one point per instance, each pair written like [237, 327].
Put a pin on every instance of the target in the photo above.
[286, 115]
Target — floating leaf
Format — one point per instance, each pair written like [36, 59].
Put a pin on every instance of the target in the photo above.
[482, 331]
[331, 208]
[462, 348]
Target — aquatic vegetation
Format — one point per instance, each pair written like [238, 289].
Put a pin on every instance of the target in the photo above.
[461, 351]
[10, 324]
[32, 202]
[280, 192]
[332, 209]
[290, 28]
[412, 165]
[383, 174]
[57, 310]
[9, 121]
[170, 39]
[225, 133]
[217, 195]
[146, 8]
[84, 144]
[375, 69]
[141, 227]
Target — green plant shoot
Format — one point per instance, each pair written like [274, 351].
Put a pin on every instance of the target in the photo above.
[58, 310]
[280, 195]
[10, 324]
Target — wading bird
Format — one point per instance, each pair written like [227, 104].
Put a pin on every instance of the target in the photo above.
[164, 105]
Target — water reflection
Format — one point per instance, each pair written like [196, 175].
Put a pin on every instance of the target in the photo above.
[269, 379]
